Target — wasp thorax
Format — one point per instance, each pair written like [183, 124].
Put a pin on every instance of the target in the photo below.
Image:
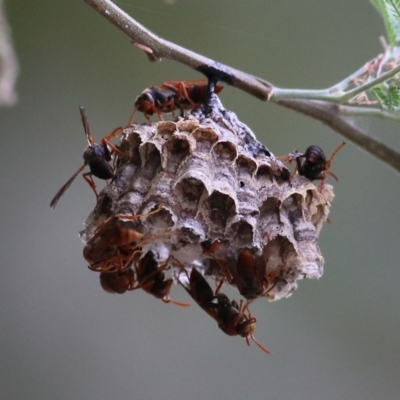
[206, 179]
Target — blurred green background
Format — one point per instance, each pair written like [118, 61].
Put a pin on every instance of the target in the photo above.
[63, 337]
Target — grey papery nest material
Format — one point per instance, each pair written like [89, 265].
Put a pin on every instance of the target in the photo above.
[211, 181]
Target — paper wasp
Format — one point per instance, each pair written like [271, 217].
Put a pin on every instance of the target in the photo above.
[151, 278]
[96, 156]
[249, 272]
[312, 164]
[231, 317]
[246, 272]
[117, 282]
[115, 243]
[209, 246]
[172, 95]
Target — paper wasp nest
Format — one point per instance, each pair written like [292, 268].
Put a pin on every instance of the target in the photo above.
[213, 182]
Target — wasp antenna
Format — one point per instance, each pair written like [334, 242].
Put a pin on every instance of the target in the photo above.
[177, 303]
[130, 122]
[328, 163]
[65, 187]
[85, 124]
[332, 174]
[264, 349]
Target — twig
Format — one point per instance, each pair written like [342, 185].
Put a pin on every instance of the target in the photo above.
[157, 48]
[329, 115]
[164, 49]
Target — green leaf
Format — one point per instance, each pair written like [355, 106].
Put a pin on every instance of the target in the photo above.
[390, 11]
[388, 96]
[394, 97]
[381, 96]
[396, 9]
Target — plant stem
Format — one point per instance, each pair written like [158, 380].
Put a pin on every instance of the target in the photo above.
[164, 49]
[303, 101]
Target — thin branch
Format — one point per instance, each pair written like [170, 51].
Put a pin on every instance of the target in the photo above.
[157, 48]
[341, 86]
[355, 111]
[335, 96]
[161, 48]
[329, 114]
[368, 85]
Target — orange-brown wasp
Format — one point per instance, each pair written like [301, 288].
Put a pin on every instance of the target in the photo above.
[231, 317]
[172, 95]
[109, 249]
[251, 273]
[151, 278]
[209, 246]
[248, 272]
[118, 281]
[96, 156]
[115, 243]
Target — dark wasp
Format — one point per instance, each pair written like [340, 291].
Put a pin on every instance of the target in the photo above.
[96, 156]
[313, 163]
[231, 317]
[151, 278]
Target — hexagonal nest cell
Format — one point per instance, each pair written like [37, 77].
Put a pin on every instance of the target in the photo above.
[203, 192]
